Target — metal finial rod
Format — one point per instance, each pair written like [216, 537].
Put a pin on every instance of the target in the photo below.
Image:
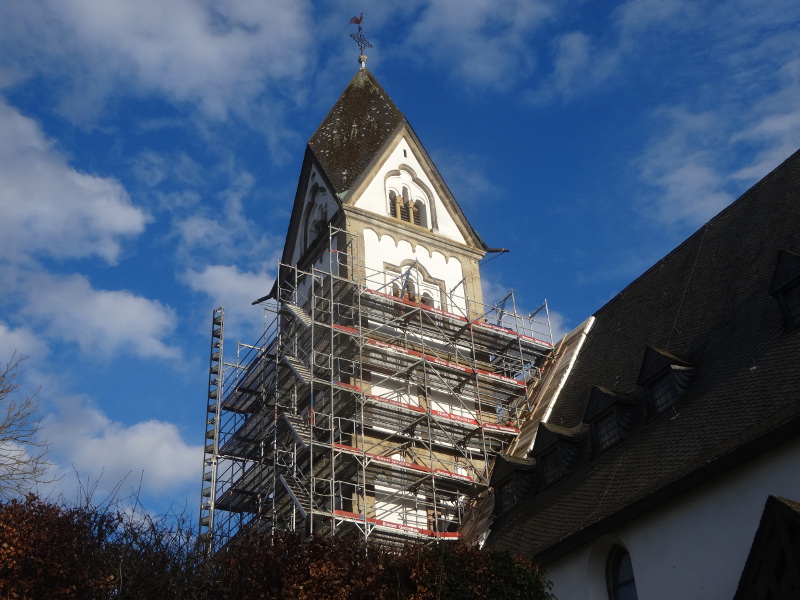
[360, 40]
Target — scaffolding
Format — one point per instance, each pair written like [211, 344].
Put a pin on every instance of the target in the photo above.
[364, 407]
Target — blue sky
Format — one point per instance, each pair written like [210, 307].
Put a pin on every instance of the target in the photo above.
[149, 154]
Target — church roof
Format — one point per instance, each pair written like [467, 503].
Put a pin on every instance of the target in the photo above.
[708, 301]
[355, 130]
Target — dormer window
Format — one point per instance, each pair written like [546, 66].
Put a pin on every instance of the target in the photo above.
[513, 478]
[612, 415]
[550, 466]
[505, 497]
[785, 288]
[664, 377]
[558, 450]
[662, 393]
[791, 297]
[607, 431]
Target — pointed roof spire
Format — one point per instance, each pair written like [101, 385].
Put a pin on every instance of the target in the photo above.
[355, 129]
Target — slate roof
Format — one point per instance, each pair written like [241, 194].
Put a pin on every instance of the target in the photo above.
[355, 130]
[708, 302]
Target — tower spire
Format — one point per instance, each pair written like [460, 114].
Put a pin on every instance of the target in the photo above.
[360, 40]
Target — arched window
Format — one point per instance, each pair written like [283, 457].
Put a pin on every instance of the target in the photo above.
[619, 575]
[392, 204]
[419, 216]
[427, 299]
[405, 207]
[411, 291]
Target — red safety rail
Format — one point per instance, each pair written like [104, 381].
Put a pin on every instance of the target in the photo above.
[403, 464]
[456, 317]
[436, 413]
[445, 363]
[351, 516]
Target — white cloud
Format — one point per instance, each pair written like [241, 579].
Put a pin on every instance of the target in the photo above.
[637, 15]
[691, 158]
[226, 232]
[102, 322]
[21, 341]
[467, 176]
[682, 164]
[232, 288]
[50, 208]
[102, 450]
[775, 126]
[483, 42]
[559, 326]
[218, 55]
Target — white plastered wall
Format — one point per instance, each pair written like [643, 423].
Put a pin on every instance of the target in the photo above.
[694, 548]
[383, 250]
[402, 168]
[325, 206]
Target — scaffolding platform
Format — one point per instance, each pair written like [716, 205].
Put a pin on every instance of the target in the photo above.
[361, 410]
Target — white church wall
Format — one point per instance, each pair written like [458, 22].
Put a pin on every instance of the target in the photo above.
[325, 263]
[397, 506]
[318, 205]
[375, 197]
[395, 389]
[694, 548]
[385, 249]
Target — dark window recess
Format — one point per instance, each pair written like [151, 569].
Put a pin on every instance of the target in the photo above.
[551, 466]
[785, 288]
[792, 298]
[405, 214]
[392, 204]
[607, 431]
[662, 393]
[416, 213]
[506, 497]
[665, 378]
[619, 575]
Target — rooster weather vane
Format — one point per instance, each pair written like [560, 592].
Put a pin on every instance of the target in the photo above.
[360, 39]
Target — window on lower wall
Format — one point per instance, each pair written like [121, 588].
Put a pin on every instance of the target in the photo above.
[619, 575]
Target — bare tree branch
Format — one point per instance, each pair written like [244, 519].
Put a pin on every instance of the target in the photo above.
[23, 454]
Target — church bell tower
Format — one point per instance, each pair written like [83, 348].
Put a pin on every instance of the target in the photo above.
[383, 385]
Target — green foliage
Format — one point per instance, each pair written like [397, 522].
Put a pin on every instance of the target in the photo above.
[54, 551]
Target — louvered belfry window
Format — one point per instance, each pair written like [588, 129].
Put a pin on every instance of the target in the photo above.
[405, 212]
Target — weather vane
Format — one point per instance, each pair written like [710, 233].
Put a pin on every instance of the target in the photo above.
[360, 40]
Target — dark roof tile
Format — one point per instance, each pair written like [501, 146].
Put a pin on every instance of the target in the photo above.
[354, 131]
[708, 301]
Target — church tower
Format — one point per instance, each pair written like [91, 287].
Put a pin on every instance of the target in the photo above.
[383, 385]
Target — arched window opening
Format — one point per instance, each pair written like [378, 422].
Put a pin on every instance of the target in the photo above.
[405, 207]
[619, 575]
[427, 299]
[411, 291]
[395, 290]
[419, 216]
[392, 204]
